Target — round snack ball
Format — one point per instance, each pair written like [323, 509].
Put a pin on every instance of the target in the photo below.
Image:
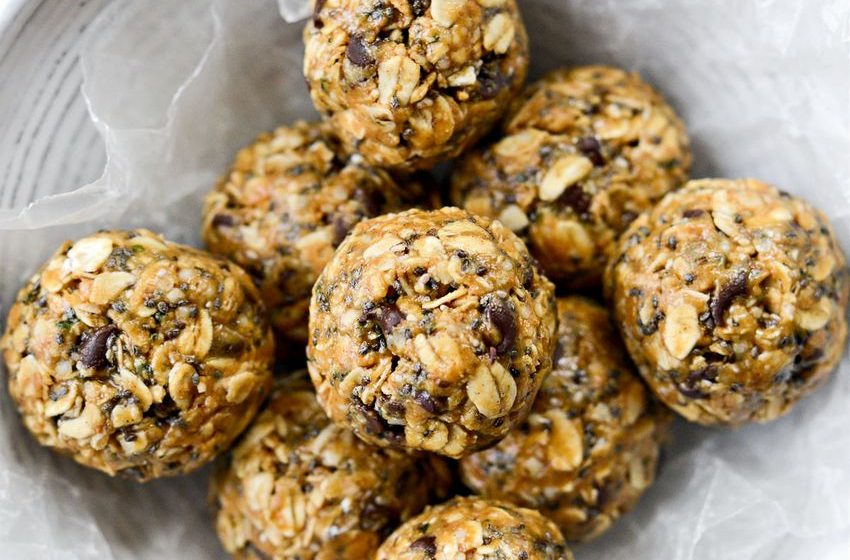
[430, 330]
[732, 300]
[408, 84]
[137, 356]
[298, 486]
[585, 152]
[282, 209]
[590, 446]
[478, 529]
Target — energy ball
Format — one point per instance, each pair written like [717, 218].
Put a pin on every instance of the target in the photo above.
[732, 300]
[298, 486]
[585, 152]
[282, 209]
[410, 83]
[476, 529]
[430, 330]
[590, 446]
[137, 356]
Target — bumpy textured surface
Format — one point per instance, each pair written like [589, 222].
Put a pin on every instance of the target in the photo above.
[430, 330]
[732, 300]
[284, 206]
[590, 446]
[586, 151]
[476, 529]
[137, 356]
[298, 486]
[410, 83]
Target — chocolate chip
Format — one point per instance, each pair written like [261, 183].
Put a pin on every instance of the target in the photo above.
[317, 10]
[722, 300]
[689, 387]
[428, 402]
[426, 544]
[604, 494]
[499, 317]
[374, 423]
[693, 213]
[491, 80]
[166, 411]
[358, 53]
[592, 150]
[394, 409]
[420, 7]
[94, 344]
[574, 197]
[222, 220]
[387, 315]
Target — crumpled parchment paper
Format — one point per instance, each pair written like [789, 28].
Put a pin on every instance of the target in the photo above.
[176, 88]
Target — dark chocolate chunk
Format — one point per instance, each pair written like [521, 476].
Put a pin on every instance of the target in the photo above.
[574, 197]
[317, 10]
[693, 213]
[358, 53]
[420, 7]
[94, 344]
[429, 402]
[374, 423]
[491, 80]
[387, 315]
[592, 150]
[426, 544]
[722, 299]
[500, 317]
[222, 220]
[689, 387]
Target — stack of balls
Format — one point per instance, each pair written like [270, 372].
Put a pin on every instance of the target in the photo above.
[431, 332]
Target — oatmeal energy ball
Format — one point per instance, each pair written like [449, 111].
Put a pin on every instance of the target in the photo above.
[732, 299]
[430, 330]
[585, 151]
[282, 209]
[590, 446]
[298, 486]
[137, 356]
[476, 529]
[408, 83]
